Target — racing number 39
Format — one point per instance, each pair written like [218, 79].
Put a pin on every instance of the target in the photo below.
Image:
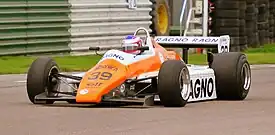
[101, 76]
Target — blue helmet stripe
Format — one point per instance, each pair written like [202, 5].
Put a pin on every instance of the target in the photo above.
[130, 37]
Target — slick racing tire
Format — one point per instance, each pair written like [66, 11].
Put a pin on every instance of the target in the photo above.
[233, 75]
[173, 83]
[40, 80]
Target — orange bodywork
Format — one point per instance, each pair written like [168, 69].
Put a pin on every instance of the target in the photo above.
[109, 74]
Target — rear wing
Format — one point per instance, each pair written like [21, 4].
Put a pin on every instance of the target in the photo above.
[222, 42]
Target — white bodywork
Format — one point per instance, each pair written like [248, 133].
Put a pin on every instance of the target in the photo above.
[203, 86]
[222, 42]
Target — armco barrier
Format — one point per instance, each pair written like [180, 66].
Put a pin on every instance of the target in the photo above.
[40, 26]
[105, 22]
[34, 26]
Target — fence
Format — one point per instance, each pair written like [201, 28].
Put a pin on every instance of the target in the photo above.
[33, 26]
[40, 26]
[105, 23]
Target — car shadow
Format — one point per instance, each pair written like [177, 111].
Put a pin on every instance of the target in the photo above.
[101, 105]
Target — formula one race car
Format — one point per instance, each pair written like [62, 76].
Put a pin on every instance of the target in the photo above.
[153, 75]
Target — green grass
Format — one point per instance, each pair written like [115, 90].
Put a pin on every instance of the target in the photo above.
[253, 58]
[20, 64]
[269, 48]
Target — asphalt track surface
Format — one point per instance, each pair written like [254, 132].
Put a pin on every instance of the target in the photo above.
[253, 116]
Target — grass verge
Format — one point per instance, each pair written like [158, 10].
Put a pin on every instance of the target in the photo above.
[20, 64]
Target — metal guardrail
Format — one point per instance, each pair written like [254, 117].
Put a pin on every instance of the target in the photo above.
[105, 23]
[33, 26]
[41, 26]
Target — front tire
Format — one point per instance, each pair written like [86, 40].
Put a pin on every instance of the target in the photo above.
[173, 83]
[40, 80]
[233, 75]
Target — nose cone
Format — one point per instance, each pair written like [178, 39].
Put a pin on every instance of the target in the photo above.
[100, 80]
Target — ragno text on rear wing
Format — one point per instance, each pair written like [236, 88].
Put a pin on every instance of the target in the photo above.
[221, 42]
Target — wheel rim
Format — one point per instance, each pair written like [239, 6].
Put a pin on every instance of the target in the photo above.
[51, 85]
[162, 18]
[185, 83]
[246, 76]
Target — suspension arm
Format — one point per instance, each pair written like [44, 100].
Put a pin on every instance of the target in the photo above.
[69, 76]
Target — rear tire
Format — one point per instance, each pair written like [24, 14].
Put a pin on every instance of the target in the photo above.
[233, 75]
[39, 79]
[173, 83]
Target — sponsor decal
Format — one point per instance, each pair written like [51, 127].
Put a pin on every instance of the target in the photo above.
[112, 55]
[172, 39]
[203, 40]
[94, 85]
[106, 67]
[202, 88]
[191, 40]
[83, 92]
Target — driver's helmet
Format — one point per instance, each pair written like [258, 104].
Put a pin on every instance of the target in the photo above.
[130, 44]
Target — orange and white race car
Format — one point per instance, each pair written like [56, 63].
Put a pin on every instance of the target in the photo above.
[153, 74]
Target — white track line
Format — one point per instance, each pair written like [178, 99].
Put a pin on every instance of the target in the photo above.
[24, 81]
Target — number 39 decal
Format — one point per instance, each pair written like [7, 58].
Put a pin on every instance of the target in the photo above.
[101, 76]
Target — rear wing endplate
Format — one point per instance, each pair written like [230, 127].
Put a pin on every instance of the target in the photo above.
[222, 42]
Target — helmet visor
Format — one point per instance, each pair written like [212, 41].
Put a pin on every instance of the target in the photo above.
[130, 47]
